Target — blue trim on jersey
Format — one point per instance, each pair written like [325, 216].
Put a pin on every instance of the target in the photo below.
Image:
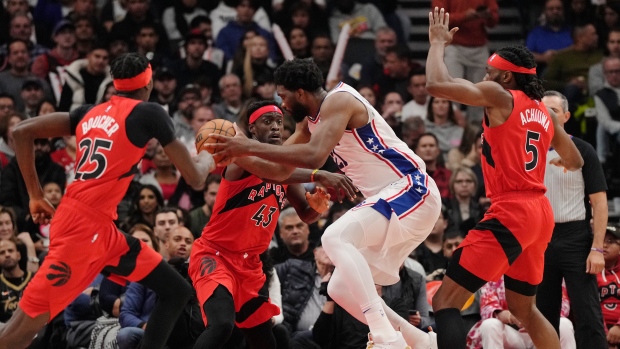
[372, 142]
[407, 200]
[383, 207]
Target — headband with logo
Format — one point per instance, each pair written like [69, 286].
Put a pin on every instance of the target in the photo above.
[137, 82]
[263, 110]
[496, 61]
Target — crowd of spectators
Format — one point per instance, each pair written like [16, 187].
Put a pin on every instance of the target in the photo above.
[210, 59]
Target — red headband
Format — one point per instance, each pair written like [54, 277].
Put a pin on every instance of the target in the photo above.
[137, 82]
[498, 62]
[263, 110]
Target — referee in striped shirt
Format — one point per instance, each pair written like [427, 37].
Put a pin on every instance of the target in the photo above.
[575, 253]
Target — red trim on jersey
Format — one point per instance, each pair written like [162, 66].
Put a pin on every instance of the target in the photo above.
[374, 128]
[404, 190]
[405, 214]
[400, 174]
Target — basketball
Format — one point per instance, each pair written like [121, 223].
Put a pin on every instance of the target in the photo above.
[216, 126]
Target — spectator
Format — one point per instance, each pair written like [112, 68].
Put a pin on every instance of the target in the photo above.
[428, 150]
[411, 289]
[580, 12]
[212, 54]
[32, 95]
[146, 45]
[177, 19]
[188, 101]
[391, 110]
[397, 67]
[10, 9]
[117, 46]
[188, 69]
[12, 79]
[307, 15]
[164, 86]
[13, 191]
[500, 329]
[300, 283]
[611, 18]
[467, 153]
[608, 109]
[200, 216]
[40, 233]
[608, 284]
[46, 107]
[144, 207]
[322, 52]
[138, 14]
[441, 121]
[365, 19]
[463, 208]
[430, 252]
[86, 80]
[372, 68]
[298, 41]
[7, 148]
[200, 116]
[13, 281]
[294, 234]
[166, 221]
[232, 33]
[165, 177]
[65, 157]
[25, 246]
[226, 12]
[418, 105]
[230, 106]
[466, 56]
[21, 29]
[544, 41]
[256, 65]
[596, 76]
[49, 66]
[412, 129]
[84, 35]
[369, 94]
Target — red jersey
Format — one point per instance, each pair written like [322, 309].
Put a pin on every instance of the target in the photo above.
[105, 156]
[245, 215]
[609, 292]
[514, 154]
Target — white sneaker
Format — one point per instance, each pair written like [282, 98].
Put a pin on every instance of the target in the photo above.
[399, 343]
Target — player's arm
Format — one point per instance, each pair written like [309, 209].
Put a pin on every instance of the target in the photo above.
[301, 134]
[570, 158]
[338, 183]
[335, 115]
[195, 170]
[24, 134]
[296, 195]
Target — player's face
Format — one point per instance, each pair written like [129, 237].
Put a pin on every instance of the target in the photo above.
[291, 104]
[493, 74]
[294, 232]
[143, 236]
[180, 242]
[210, 194]
[6, 226]
[611, 247]
[450, 245]
[148, 201]
[52, 193]
[9, 256]
[266, 129]
[164, 224]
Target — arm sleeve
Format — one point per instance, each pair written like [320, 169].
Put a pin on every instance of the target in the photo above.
[134, 302]
[149, 120]
[76, 115]
[592, 171]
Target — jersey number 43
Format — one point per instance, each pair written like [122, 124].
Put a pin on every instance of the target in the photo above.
[93, 162]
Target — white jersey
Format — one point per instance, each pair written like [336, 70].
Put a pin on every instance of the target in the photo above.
[371, 156]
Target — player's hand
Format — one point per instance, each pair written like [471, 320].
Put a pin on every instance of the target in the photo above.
[319, 201]
[595, 263]
[341, 184]
[558, 162]
[613, 336]
[41, 210]
[226, 149]
[438, 30]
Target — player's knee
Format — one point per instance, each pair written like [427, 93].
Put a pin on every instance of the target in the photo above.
[522, 311]
[221, 328]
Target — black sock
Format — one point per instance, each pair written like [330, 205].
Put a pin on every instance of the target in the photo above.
[451, 332]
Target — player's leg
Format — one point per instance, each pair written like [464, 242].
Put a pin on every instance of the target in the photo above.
[260, 337]
[341, 241]
[19, 331]
[340, 294]
[523, 307]
[220, 312]
[447, 304]
[549, 293]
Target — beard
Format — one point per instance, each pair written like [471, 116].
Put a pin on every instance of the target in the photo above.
[299, 112]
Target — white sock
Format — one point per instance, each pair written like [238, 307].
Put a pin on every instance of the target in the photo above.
[380, 327]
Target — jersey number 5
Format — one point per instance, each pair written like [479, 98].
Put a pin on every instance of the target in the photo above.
[531, 148]
[264, 215]
[90, 155]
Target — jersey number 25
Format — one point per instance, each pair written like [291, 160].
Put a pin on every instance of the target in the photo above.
[91, 155]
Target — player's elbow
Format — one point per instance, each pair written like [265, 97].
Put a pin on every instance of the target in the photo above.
[575, 164]
[434, 88]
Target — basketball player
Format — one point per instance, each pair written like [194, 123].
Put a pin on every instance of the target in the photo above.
[516, 229]
[111, 139]
[370, 242]
[225, 266]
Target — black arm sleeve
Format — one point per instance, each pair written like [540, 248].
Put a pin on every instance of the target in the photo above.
[592, 171]
[77, 115]
[149, 120]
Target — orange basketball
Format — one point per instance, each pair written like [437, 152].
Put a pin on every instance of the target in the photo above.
[216, 126]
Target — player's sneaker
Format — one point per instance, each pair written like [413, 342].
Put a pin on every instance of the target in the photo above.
[399, 343]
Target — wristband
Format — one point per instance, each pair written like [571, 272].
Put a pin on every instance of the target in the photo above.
[312, 174]
[599, 250]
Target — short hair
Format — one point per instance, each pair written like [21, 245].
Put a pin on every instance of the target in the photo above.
[198, 20]
[128, 65]
[168, 209]
[145, 228]
[429, 134]
[10, 43]
[212, 178]
[552, 93]
[322, 35]
[148, 25]
[417, 71]
[254, 106]
[466, 170]
[401, 52]
[21, 14]
[287, 212]
[6, 95]
[451, 233]
[383, 30]
[253, 3]
[229, 75]
[520, 56]
[299, 74]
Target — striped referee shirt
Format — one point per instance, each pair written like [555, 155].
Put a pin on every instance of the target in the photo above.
[569, 191]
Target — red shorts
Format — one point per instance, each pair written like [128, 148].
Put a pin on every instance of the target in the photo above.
[84, 243]
[240, 273]
[510, 240]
